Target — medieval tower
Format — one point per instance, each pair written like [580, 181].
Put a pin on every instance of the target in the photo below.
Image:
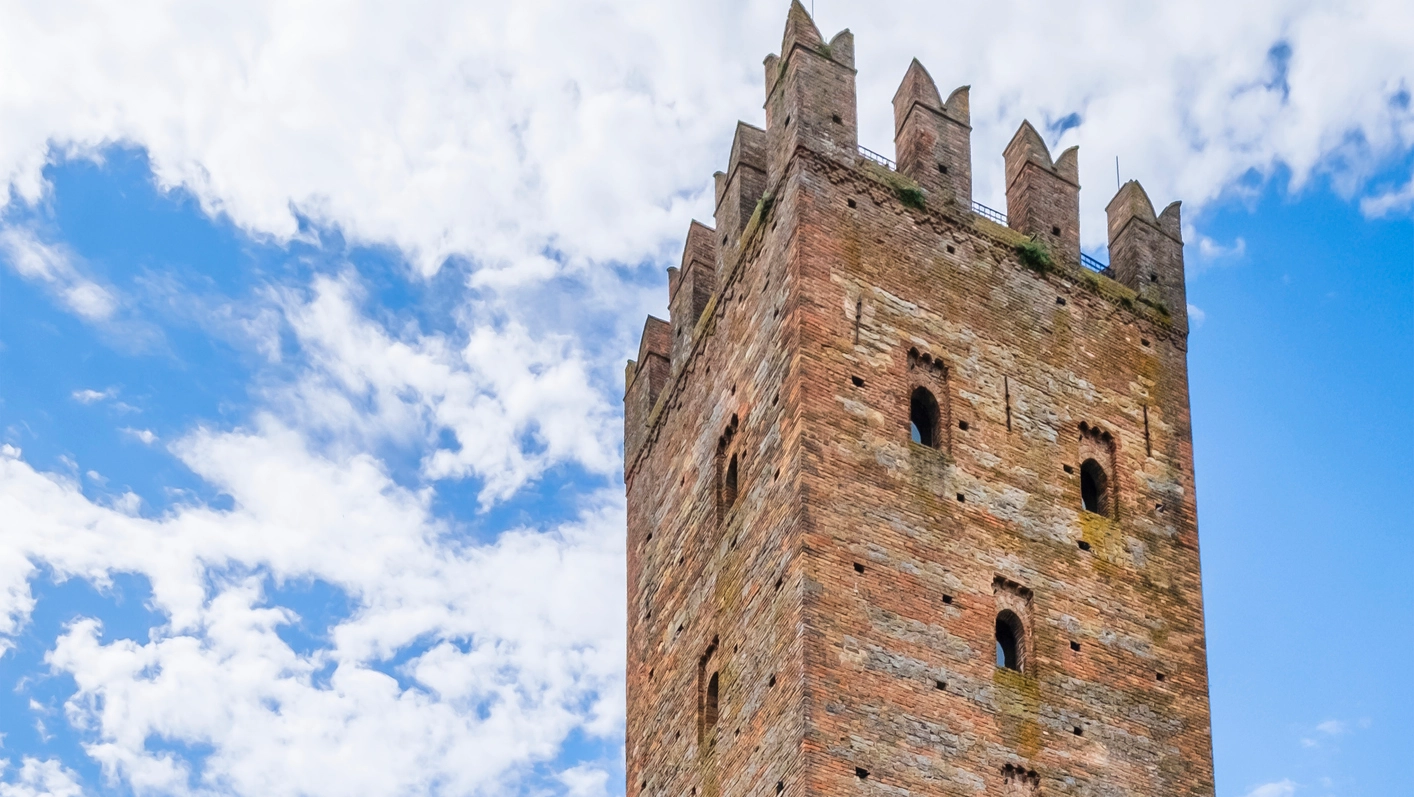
[910, 481]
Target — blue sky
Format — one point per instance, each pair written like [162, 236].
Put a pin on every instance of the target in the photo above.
[311, 347]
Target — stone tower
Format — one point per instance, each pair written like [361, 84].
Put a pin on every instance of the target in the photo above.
[910, 488]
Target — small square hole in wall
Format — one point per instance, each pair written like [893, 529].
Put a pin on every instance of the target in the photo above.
[772, 680]
[650, 536]
[779, 582]
[1076, 730]
[650, 673]
[835, 118]
[733, 390]
[858, 568]
[857, 381]
[780, 786]
[1084, 546]
[962, 425]
[1075, 646]
[951, 249]
[777, 474]
[1144, 341]
[1158, 676]
[850, 202]
[940, 685]
[961, 498]
[947, 599]
[1068, 469]
[1055, 231]
[942, 168]
[861, 773]
[1060, 301]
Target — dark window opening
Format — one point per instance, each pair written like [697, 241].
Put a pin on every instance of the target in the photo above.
[1076, 730]
[780, 786]
[858, 568]
[942, 168]
[729, 485]
[1075, 646]
[1158, 676]
[962, 425]
[1055, 231]
[1009, 641]
[850, 202]
[709, 705]
[941, 685]
[951, 250]
[923, 418]
[857, 381]
[835, 118]
[861, 773]
[1084, 546]
[961, 499]
[1094, 488]
[947, 599]
[1060, 301]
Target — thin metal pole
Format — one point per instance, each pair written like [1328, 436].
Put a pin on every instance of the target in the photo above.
[1117, 186]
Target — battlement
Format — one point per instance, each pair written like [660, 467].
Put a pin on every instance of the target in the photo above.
[811, 105]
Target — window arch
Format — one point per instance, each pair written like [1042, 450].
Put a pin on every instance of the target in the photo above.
[923, 418]
[1094, 488]
[1011, 637]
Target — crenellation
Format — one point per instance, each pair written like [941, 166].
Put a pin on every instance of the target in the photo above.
[932, 138]
[1146, 252]
[1043, 197]
[851, 580]
[739, 188]
[810, 95]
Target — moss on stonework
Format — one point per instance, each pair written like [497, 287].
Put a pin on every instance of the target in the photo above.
[911, 196]
[758, 218]
[1019, 701]
[1035, 256]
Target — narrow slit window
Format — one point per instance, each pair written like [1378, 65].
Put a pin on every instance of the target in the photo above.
[729, 484]
[1009, 636]
[1094, 488]
[709, 706]
[923, 418]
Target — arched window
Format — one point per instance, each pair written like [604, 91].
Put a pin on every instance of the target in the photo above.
[709, 706]
[1009, 640]
[1094, 488]
[923, 418]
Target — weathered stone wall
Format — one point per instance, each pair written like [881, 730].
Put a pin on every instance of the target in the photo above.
[848, 598]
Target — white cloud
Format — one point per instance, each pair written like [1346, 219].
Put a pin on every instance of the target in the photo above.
[1398, 200]
[1196, 315]
[509, 131]
[53, 266]
[90, 396]
[1332, 727]
[524, 636]
[35, 778]
[145, 436]
[1281, 788]
[1212, 250]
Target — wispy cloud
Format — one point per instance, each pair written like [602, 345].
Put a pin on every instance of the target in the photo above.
[1281, 788]
[53, 266]
[145, 436]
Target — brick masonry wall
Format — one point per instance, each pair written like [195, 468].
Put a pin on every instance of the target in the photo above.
[847, 601]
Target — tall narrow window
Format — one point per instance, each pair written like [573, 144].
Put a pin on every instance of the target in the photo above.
[1009, 638]
[1094, 488]
[709, 706]
[729, 484]
[923, 417]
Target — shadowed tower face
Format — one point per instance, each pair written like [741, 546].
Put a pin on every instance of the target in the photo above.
[910, 491]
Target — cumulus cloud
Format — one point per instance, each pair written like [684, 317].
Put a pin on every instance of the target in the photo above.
[524, 136]
[507, 646]
[52, 265]
[36, 778]
[90, 396]
[145, 436]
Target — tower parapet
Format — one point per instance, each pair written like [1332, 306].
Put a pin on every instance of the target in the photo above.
[691, 287]
[1043, 197]
[932, 138]
[810, 95]
[644, 380]
[1146, 251]
[739, 188]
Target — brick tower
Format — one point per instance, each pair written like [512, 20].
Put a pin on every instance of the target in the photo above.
[910, 489]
